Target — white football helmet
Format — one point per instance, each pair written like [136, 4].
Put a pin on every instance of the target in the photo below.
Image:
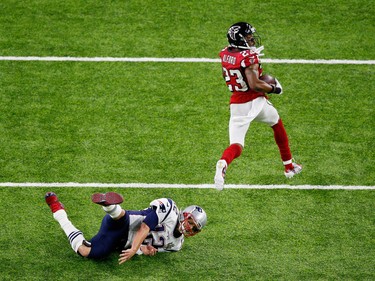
[192, 220]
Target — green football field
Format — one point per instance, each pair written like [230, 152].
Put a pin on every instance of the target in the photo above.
[166, 123]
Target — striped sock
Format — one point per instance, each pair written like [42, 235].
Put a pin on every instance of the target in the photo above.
[74, 235]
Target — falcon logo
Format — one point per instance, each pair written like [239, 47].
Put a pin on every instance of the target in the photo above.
[233, 31]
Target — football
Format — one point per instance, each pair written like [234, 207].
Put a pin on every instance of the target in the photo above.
[268, 79]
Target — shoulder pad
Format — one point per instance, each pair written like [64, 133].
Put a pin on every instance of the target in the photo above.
[162, 205]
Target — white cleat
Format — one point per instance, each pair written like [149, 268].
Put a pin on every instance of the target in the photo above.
[296, 170]
[221, 168]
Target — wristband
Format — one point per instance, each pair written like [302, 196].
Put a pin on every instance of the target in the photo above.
[273, 89]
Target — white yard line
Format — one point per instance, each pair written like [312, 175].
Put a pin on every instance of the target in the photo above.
[148, 59]
[162, 185]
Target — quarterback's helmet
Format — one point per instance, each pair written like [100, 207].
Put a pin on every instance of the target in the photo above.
[192, 220]
[237, 36]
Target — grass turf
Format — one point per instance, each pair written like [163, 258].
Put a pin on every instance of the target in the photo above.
[167, 123]
[251, 234]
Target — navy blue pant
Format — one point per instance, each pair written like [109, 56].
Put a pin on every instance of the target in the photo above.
[112, 235]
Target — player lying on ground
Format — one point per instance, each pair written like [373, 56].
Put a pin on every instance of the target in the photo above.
[159, 228]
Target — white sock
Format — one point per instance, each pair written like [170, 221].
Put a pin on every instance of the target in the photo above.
[113, 210]
[74, 235]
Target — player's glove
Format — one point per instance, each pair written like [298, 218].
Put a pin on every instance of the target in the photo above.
[277, 89]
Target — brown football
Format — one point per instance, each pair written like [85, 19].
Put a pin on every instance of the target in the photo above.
[268, 79]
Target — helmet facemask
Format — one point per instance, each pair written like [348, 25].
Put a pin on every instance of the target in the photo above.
[188, 226]
[191, 220]
[252, 43]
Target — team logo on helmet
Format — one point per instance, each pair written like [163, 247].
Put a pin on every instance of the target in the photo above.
[199, 209]
[232, 32]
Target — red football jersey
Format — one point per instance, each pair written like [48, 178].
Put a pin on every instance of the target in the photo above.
[234, 64]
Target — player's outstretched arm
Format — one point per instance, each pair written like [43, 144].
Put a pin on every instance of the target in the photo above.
[140, 236]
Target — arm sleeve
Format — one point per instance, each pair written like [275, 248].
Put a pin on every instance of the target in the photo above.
[162, 208]
[250, 60]
[151, 220]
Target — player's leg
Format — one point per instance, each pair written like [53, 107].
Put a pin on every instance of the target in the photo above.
[75, 236]
[239, 123]
[230, 153]
[114, 229]
[110, 201]
[270, 116]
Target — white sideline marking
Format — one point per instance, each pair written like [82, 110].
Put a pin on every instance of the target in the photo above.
[162, 185]
[147, 59]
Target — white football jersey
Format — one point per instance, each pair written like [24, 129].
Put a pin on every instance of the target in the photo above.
[161, 237]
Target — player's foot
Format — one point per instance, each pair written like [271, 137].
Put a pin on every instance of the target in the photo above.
[106, 199]
[221, 168]
[289, 173]
[53, 202]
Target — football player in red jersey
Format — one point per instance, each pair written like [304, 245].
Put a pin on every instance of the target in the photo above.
[242, 70]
